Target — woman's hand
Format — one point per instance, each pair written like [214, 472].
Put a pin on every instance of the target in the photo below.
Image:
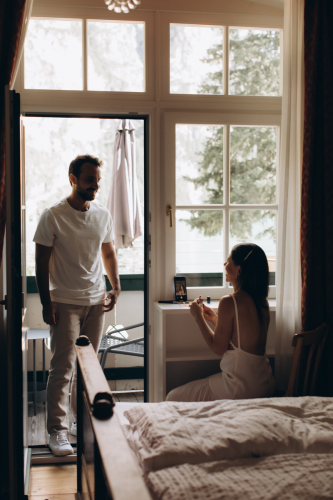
[196, 308]
[209, 314]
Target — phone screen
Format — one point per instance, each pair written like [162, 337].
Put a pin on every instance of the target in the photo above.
[180, 288]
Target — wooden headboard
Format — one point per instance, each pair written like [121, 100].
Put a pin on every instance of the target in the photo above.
[105, 465]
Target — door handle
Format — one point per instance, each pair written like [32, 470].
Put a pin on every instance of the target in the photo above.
[4, 302]
[169, 214]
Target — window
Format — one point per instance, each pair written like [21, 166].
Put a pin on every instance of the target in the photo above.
[204, 77]
[221, 159]
[225, 195]
[199, 59]
[116, 56]
[254, 62]
[53, 55]
[190, 61]
[55, 50]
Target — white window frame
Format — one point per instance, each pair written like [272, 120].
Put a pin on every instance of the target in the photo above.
[170, 121]
[94, 98]
[224, 21]
[156, 102]
[221, 109]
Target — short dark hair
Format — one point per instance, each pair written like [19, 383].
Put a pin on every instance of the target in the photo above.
[76, 164]
[254, 275]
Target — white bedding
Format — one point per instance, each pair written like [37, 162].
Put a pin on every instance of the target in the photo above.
[168, 434]
[282, 477]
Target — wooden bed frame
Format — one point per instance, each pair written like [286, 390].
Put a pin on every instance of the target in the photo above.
[105, 465]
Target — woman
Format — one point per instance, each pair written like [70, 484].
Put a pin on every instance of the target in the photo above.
[240, 333]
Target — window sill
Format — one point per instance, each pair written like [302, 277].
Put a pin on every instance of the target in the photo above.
[184, 308]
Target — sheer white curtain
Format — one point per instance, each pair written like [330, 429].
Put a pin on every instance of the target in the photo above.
[25, 23]
[288, 278]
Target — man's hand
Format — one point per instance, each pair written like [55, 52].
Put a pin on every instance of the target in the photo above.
[50, 314]
[111, 300]
[111, 268]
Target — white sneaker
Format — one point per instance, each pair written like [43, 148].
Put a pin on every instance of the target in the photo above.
[59, 444]
[73, 429]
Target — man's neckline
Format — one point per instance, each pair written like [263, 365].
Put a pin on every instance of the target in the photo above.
[77, 210]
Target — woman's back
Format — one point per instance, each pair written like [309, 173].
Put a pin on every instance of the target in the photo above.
[253, 332]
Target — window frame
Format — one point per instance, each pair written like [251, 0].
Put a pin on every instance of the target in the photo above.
[224, 21]
[156, 103]
[208, 118]
[94, 97]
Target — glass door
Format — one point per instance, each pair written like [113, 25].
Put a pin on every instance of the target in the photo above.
[51, 143]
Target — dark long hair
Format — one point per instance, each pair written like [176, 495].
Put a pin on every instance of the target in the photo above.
[254, 275]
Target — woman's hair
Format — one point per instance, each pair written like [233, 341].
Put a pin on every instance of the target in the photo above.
[254, 277]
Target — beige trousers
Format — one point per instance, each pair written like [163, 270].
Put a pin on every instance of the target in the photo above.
[74, 321]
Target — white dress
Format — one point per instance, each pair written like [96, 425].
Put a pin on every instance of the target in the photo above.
[244, 375]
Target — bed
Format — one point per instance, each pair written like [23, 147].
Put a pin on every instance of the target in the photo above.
[246, 449]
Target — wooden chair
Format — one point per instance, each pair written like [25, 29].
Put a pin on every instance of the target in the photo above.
[310, 344]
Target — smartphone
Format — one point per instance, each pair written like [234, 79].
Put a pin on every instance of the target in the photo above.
[180, 288]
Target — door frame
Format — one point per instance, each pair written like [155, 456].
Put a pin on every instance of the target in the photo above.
[13, 470]
[146, 120]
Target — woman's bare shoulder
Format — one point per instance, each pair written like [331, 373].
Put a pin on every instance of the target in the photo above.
[226, 304]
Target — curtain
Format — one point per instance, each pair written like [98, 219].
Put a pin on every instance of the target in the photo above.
[24, 29]
[317, 179]
[11, 21]
[288, 277]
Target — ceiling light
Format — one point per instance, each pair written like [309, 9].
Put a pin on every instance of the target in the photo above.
[122, 6]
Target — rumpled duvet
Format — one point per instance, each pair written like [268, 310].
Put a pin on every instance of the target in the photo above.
[170, 434]
[282, 477]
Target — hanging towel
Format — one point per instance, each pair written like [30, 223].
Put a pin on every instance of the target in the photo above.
[124, 201]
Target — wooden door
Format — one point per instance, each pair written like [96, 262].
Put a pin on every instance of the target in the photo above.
[11, 383]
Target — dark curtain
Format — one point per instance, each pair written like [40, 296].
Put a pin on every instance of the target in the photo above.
[317, 179]
[11, 18]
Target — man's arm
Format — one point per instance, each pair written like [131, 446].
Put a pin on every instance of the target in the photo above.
[111, 268]
[43, 254]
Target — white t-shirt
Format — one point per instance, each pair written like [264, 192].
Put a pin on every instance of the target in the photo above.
[76, 272]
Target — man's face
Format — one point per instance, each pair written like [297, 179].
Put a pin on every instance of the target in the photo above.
[88, 182]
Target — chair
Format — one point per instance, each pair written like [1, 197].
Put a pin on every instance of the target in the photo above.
[115, 341]
[310, 344]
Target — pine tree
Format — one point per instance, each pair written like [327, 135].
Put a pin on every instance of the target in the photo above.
[254, 70]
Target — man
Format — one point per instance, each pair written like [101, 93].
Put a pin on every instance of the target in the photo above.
[71, 238]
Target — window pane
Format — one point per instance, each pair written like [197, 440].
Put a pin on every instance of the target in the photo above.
[50, 145]
[255, 226]
[199, 246]
[53, 55]
[116, 56]
[254, 62]
[199, 164]
[196, 60]
[253, 164]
